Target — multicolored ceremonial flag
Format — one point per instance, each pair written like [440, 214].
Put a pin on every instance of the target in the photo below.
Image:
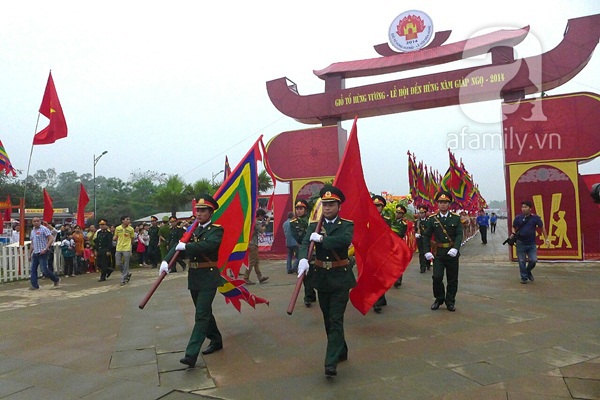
[227, 169]
[238, 202]
[5, 164]
[381, 256]
[51, 109]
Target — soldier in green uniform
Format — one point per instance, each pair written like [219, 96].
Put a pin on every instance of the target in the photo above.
[380, 204]
[175, 234]
[204, 278]
[153, 251]
[163, 237]
[102, 243]
[399, 227]
[299, 225]
[446, 228]
[333, 275]
[420, 226]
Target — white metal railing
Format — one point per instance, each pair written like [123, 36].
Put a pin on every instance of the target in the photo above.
[15, 262]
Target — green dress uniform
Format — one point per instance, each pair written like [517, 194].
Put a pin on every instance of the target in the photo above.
[420, 227]
[299, 226]
[153, 251]
[333, 279]
[399, 227]
[204, 278]
[448, 234]
[163, 239]
[175, 234]
[102, 246]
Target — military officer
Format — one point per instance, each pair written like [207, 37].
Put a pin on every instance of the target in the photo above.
[299, 226]
[163, 237]
[175, 234]
[204, 278]
[380, 204]
[447, 230]
[420, 225]
[102, 243]
[333, 274]
[399, 227]
[153, 250]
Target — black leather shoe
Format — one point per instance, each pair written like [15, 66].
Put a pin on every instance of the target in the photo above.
[330, 370]
[212, 348]
[307, 303]
[530, 276]
[377, 309]
[189, 361]
[110, 271]
[436, 305]
[451, 307]
[422, 270]
[101, 280]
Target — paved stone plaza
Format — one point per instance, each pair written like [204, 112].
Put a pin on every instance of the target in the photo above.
[89, 340]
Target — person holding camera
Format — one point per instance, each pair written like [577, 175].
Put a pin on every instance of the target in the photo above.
[525, 226]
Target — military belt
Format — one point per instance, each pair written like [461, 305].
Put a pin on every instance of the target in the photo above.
[445, 245]
[208, 264]
[331, 264]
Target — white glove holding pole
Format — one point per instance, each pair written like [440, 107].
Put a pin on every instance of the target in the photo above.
[164, 267]
[315, 237]
[429, 256]
[302, 267]
[452, 252]
[180, 246]
[417, 235]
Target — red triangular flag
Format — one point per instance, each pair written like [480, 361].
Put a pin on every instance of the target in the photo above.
[83, 200]
[48, 208]
[381, 256]
[51, 108]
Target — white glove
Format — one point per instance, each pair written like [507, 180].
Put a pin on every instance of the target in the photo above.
[180, 246]
[452, 252]
[164, 267]
[429, 256]
[417, 235]
[302, 267]
[315, 237]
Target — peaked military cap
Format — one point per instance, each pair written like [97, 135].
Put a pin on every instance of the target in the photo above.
[172, 218]
[423, 208]
[102, 222]
[153, 218]
[331, 193]
[400, 206]
[443, 196]
[206, 201]
[301, 203]
[378, 200]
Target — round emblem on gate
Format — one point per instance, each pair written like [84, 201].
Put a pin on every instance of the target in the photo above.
[411, 30]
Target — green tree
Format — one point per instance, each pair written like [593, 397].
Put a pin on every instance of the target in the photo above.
[264, 182]
[173, 195]
[203, 186]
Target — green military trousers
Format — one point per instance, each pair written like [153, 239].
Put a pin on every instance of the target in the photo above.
[333, 307]
[205, 325]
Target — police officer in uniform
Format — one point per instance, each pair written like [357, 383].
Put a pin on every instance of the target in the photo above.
[102, 242]
[380, 204]
[333, 274]
[420, 225]
[299, 225]
[175, 234]
[399, 227]
[203, 279]
[446, 228]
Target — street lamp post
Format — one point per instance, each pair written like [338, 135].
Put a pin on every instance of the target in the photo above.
[214, 175]
[96, 159]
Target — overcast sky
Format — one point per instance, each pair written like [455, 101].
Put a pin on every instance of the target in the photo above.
[176, 86]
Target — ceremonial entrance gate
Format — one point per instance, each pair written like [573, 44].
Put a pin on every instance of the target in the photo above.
[547, 174]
